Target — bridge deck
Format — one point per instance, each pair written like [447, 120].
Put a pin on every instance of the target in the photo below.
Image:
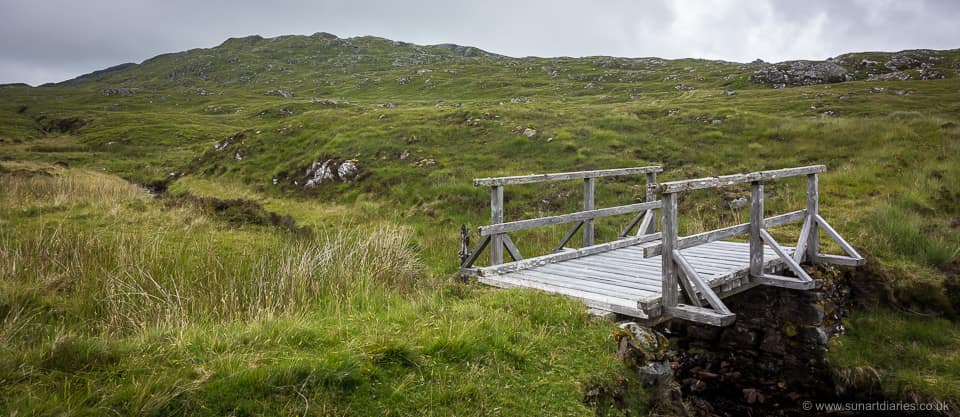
[623, 281]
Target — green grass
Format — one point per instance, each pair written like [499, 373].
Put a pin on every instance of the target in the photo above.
[115, 303]
[114, 300]
[904, 356]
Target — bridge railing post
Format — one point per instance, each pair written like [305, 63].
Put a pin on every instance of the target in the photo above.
[589, 203]
[669, 235]
[756, 225]
[651, 196]
[496, 217]
[813, 208]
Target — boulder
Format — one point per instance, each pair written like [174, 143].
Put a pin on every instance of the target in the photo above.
[331, 170]
[799, 73]
[279, 93]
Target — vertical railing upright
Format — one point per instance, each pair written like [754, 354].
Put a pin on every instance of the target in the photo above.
[669, 235]
[496, 217]
[756, 224]
[813, 208]
[589, 203]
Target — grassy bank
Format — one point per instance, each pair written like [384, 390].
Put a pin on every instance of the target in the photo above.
[114, 302]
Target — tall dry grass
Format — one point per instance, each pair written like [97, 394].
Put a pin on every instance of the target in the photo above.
[129, 277]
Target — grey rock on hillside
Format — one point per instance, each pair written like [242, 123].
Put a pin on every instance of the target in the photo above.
[798, 73]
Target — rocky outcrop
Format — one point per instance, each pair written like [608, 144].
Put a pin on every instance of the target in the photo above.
[799, 73]
[331, 170]
[280, 93]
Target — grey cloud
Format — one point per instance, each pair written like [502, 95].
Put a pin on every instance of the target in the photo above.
[42, 41]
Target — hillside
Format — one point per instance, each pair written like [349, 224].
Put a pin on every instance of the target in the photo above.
[259, 149]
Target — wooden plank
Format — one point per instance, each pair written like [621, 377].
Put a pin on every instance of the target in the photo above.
[616, 271]
[476, 253]
[574, 280]
[669, 233]
[496, 216]
[568, 236]
[565, 218]
[511, 248]
[596, 287]
[633, 222]
[700, 315]
[791, 264]
[801, 248]
[633, 272]
[730, 231]
[784, 282]
[756, 226]
[588, 205]
[565, 255]
[529, 179]
[701, 286]
[618, 305]
[688, 274]
[813, 210]
[650, 195]
[649, 226]
[727, 180]
[840, 260]
[589, 276]
[839, 239]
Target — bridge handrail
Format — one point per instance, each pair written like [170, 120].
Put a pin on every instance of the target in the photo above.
[495, 234]
[675, 272]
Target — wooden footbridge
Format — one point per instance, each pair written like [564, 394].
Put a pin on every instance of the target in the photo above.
[644, 274]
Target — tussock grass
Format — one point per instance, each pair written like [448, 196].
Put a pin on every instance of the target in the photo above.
[158, 278]
[30, 185]
[127, 306]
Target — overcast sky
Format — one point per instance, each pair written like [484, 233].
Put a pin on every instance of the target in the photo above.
[54, 40]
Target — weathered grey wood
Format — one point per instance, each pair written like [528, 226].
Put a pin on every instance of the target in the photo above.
[647, 226]
[701, 286]
[633, 222]
[756, 226]
[650, 195]
[728, 232]
[839, 239]
[588, 205]
[529, 179]
[511, 248]
[793, 265]
[627, 272]
[813, 210]
[687, 275]
[565, 218]
[726, 180]
[801, 247]
[476, 252]
[840, 260]
[574, 280]
[618, 305]
[565, 255]
[784, 282]
[567, 237]
[614, 278]
[496, 216]
[649, 218]
[669, 232]
[700, 315]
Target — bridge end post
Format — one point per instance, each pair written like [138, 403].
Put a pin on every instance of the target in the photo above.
[496, 217]
[813, 208]
[589, 185]
[756, 226]
[669, 228]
